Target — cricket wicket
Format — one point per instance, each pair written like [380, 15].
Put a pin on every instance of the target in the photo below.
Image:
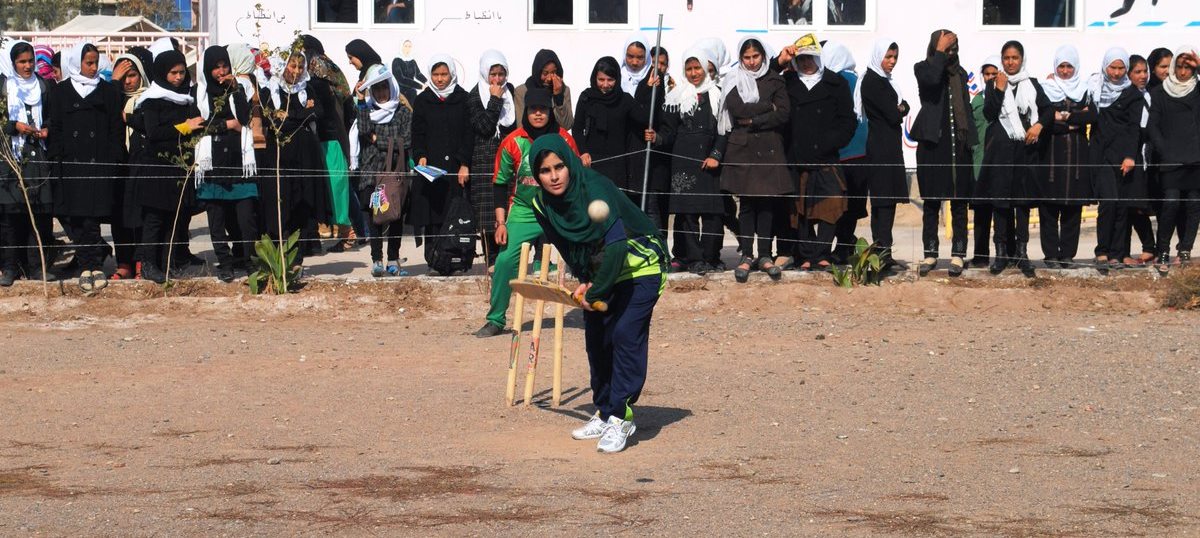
[536, 334]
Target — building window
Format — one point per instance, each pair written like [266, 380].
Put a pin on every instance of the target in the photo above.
[1054, 14]
[1002, 12]
[847, 12]
[608, 11]
[553, 12]
[395, 11]
[337, 11]
[840, 14]
[793, 12]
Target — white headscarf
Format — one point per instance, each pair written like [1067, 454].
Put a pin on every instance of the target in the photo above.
[1059, 89]
[299, 88]
[718, 54]
[22, 93]
[630, 78]
[685, 98]
[744, 81]
[508, 113]
[161, 45]
[837, 57]
[878, 53]
[450, 64]
[810, 80]
[1106, 92]
[1019, 105]
[73, 68]
[1180, 88]
[204, 149]
[382, 113]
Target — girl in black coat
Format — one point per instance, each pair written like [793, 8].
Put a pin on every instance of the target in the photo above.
[659, 181]
[166, 115]
[605, 120]
[1018, 110]
[442, 137]
[879, 99]
[1115, 152]
[225, 164]
[945, 133]
[689, 132]
[1064, 180]
[821, 97]
[303, 193]
[1136, 200]
[86, 137]
[26, 95]
[1174, 128]
[493, 115]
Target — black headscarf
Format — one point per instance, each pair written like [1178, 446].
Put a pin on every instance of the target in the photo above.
[543, 57]
[1155, 57]
[362, 50]
[539, 97]
[312, 46]
[952, 53]
[609, 66]
[212, 56]
[143, 55]
[163, 65]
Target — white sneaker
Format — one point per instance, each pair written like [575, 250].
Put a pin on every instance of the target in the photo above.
[616, 432]
[592, 430]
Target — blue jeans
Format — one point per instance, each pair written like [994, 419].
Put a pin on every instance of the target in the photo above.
[618, 343]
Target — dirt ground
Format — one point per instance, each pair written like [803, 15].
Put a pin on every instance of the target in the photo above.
[1001, 407]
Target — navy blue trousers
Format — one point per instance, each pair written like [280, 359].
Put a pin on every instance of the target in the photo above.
[618, 343]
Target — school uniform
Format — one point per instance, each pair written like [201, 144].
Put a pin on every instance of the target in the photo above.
[376, 137]
[163, 187]
[488, 133]
[228, 196]
[17, 248]
[695, 198]
[1174, 129]
[441, 132]
[1064, 181]
[1116, 136]
[303, 187]
[887, 181]
[605, 124]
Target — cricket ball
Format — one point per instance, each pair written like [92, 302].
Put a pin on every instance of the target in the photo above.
[598, 210]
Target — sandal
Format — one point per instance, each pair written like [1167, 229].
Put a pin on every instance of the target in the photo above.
[767, 265]
[741, 273]
[1146, 258]
[1101, 263]
[957, 265]
[1164, 264]
[124, 272]
[806, 266]
[824, 266]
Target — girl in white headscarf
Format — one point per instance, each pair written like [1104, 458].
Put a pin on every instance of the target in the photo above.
[1018, 110]
[1174, 130]
[1064, 178]
[689, 134]
[26, 95]
[635, 62]
[493, 115]
[385, 123]
[879, 100]
[441, 138]
[754, 110]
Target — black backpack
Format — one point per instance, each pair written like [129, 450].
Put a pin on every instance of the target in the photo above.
[454, 247]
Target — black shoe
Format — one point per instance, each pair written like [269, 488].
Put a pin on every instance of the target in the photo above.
[489, 330]
[1185, 258]
[7, 278]
[224, 273]
[1000, 260]
[187, 259]
[979, 262]
[743, 275]
[927, 265]
[152, 273]
[698, 268]
[1163, 265]
[1023, 262]
[717, 267]
[957, 265]
[775, 272]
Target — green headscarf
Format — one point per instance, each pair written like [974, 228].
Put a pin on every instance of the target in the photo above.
[568, 214]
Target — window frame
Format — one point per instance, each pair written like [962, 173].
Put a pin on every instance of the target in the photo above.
[1028, 19]
[579, 16]
[366, 18]
[820, 22]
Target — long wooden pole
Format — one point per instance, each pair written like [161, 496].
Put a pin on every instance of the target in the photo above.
[510, 388]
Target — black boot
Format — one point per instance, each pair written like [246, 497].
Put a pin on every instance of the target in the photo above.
[1000, 260]
[1023, 262]
[930, 261]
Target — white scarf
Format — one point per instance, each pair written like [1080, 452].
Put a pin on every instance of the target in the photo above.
[685, 98]
[810, 80]
[881, 49]
[718, 54]
[299, 88]
[204, 149]
[23, 94]
[450, 64]
[158, 92]
[744, 81]
[1059, 89]
[630, 78]
[1018, 106]
[161, 45]
[382, 113]
[73, 67]
[508, 113]
[1180, 88]
[1105, 92]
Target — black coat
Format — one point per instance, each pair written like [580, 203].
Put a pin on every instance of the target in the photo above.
[933, 79]
[35, 170]
[1064, 177]
[660, 165]
[887, 180]
[759, 143]
[1174, 128]
[303, 184]
[693, 138]
[484, 121]
[227, 145]
[829, 105]
[442, 134]
[1008, 177]
[158, 177]
[604, 127]
[87, 139]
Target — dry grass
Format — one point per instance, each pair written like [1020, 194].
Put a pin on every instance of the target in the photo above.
[905, 523]
[1183, 289]
[32, 481]
[1072, 452]
[427, 482]
[918, 497]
